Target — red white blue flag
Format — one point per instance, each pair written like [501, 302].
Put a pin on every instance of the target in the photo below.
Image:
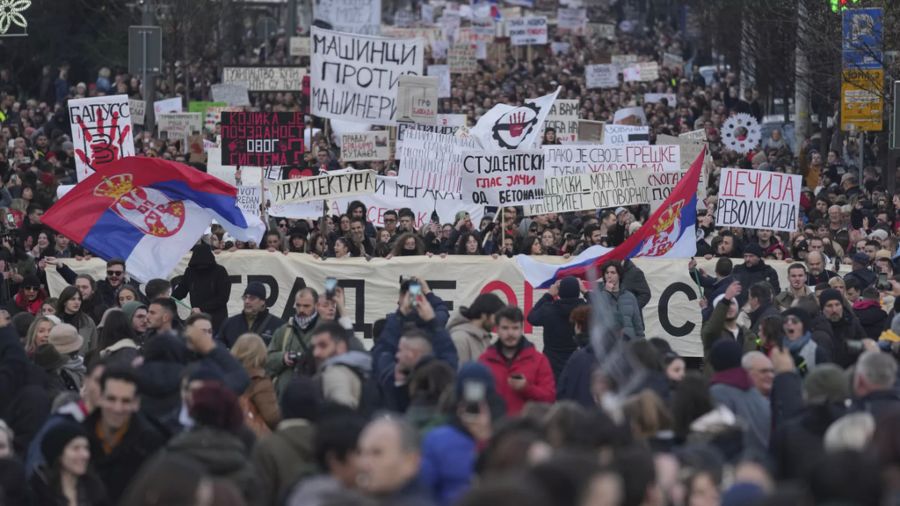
[669, 233]
[149, 212]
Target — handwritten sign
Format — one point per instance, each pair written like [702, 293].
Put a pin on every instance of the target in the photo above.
[598, 190]
[433, 161]
[298, 46]
[265, 78]
[563, 118]
[365, 146]
[249, 199]
[528, 31]
[601, 76]
[503, 178]
[330, 186]
[758, 199]
[625, 134]
[417, 99]
[462, 58]
[231, 94]
[586, 158]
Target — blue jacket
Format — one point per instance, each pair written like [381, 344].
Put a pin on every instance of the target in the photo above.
[575, 380]
[448, 463]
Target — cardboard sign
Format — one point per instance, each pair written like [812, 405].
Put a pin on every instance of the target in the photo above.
[590, 131]
[442, 72]
[168, 105]
[262, 139]
[654, 98]
[350, 16]
[602, 30]
[462, 59]
[571, 20]
[601, 76]
[231, 94]
[528, 31]
[180, 123]
[364, 87]
[265, 78]
[695, 135]
[758, 199]
[585, 158]
[597, 190]
[417, 99]
[503, 178]
[625, 134]
[329, 186]
[298, 46]
[137, 111]
[661, 185]
[433, 161]
[365, 146]
[563, 118]
[101, 131]
[250, 199]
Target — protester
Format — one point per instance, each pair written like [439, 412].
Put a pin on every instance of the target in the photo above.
[207, 283]
[470, 328]
[258, 403]
[552, 312]
[255, 318]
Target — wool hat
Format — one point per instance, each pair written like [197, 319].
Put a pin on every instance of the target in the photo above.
[829, 294]
[860, 258]
[826, 383]
[256, 289]
[47, 358]
[800, 314]
[58, 437]
[569, 288]
[31, 280]
[879, 234]
[753, 249]
[725, 354]
[65, 338]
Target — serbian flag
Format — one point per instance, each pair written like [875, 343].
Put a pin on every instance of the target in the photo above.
[669, 233]
[149, 212]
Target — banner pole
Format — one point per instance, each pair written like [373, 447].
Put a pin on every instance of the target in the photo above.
[262, 192]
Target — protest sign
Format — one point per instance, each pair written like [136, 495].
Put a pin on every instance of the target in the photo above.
[602, 30]
[404, 18]
[758, 199]
[298, 46]
[631, 73]
[695, 135]
[262, 139]
[503, 178]
[432, 161]
[179, 123]
[597, 190]
[558, 48]
[441, 128]
[213, 116]
[462, 58]
[329, 186]
[572, 20]
[231, 94]
[391, 195]
[623, 60]
[584, 158]
[364, 146]
[168, 105]
[364, 87]
[531, 30]
[625, 134]
[563, 117]
[249, 199]
[137, 111]
[417, 99]
[601, 76]
[641, 72]
[672, 60]
[661, 185]
[508, 127]
[266, 78]
[590, 131]
[442, 72]
[201, 106]
[430, 34]
[653, 98]
[451, 120]
[426, 13]
[101, 131]
[350, 16]
[196, 148]
[630, 116]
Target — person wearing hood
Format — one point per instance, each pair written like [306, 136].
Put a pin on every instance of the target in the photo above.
[470, 328]
[868, 310]
[345, 374]
[552, 312]
[754, 270]
[731, 386]
[805, 351]
[136, 313]
[207, 284]
[846, 330]
[67, 341]
[861, 272]
[723, 324]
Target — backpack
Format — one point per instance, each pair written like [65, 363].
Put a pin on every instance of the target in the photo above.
[370, 398]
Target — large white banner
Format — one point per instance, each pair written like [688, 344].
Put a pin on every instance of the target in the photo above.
[596, 190]
[509, 127]
[350, 16]
[329, 186]
[758, 199]
[433, 161]
[584, 158]
[101, 131]
[354, 77]
[371, 287]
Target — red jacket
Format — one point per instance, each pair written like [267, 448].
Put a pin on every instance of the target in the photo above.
[540, 385]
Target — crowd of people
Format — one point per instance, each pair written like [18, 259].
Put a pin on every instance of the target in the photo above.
[108, 397]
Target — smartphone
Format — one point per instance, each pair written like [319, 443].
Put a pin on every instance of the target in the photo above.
[517, 376]
[415, 289]
[330, 286]
[473, 395]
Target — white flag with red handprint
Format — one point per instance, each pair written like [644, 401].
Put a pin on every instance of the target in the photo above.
[510, 127]
[101, 131]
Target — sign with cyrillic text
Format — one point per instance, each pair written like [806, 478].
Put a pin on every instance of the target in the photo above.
[231, 94]
[563, 118]
[625, 134]
[261, 139]
[758, 199]
[601, 76]
[180, 123]
[462, 58]
[597, 190]
[298, 46]
[528, 31]
[365, 146]
[330, 186]
[138, 108]
[266, 78]
[585, 158]
[503, 178]
[433, 161]
[101, 131]
[417, 99]
[350, 16]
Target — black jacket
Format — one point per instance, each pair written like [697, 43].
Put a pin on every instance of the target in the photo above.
[864, 276]
[845, 330]
[749, 276]
[878, 403]
[207, 283]
[553, 316]
[265, 325]
[874, 320]
[634, 281]
[574, 382]
[165, 358]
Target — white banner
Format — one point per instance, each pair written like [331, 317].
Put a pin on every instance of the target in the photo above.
[180, 123]
[167, 105]
[573, 20]
[585, 158]
[508, 127]
[528, 31]
[503, 178]
[758, 199]
[596, 190]
[417, 99]
[563, 117]
[365, 146]
[231, 94]
[641, 72]
[653, 98]
[329, 186]
[101, 131]
[442, 72]
[432, 161]
[625, 134]
[138, 108]
[249, 199]
[355, 77]
[601, 76]
[266, 78]
[350, 16]
[602, 30]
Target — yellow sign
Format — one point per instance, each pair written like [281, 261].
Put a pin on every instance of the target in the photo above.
[862, 102]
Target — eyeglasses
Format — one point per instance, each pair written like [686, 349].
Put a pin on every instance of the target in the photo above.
[114, 273]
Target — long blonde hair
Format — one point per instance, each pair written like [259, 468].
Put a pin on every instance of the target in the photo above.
[250, 350]
[30, 347]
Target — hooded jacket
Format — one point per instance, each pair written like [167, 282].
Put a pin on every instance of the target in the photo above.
[872, 318]
[207, 283]
[534, 366]
[748, 276]
[221, 454]
[342, 377]
[559, 334]
[470, 339]
[283, 458]
[165, 358]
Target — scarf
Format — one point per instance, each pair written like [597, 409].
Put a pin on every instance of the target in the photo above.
[305, 322]
[795, 346]
[866, 304]
[76, 365]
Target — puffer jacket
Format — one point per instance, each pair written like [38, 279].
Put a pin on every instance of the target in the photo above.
[872, 318]
[530, 363]
[470, 339]
[221, 454]
[625, 304]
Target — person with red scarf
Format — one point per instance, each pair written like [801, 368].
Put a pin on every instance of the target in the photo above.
[30, 296]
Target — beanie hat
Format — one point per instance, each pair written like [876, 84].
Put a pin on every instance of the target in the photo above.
[57, 438]
[800, 314]
[826, 383]
[473, 372]
[256, 289]
[753, 249]
[65, 338]
[725, 354]
[31, 280]
[860, 258]
[569, 288]
[828, 295]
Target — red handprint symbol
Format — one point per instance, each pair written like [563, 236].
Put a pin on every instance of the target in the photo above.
[104, 144]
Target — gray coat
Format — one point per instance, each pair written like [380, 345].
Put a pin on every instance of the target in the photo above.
[625, 304]
[750, 407]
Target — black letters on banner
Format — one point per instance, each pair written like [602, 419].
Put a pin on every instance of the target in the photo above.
[664, 312]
